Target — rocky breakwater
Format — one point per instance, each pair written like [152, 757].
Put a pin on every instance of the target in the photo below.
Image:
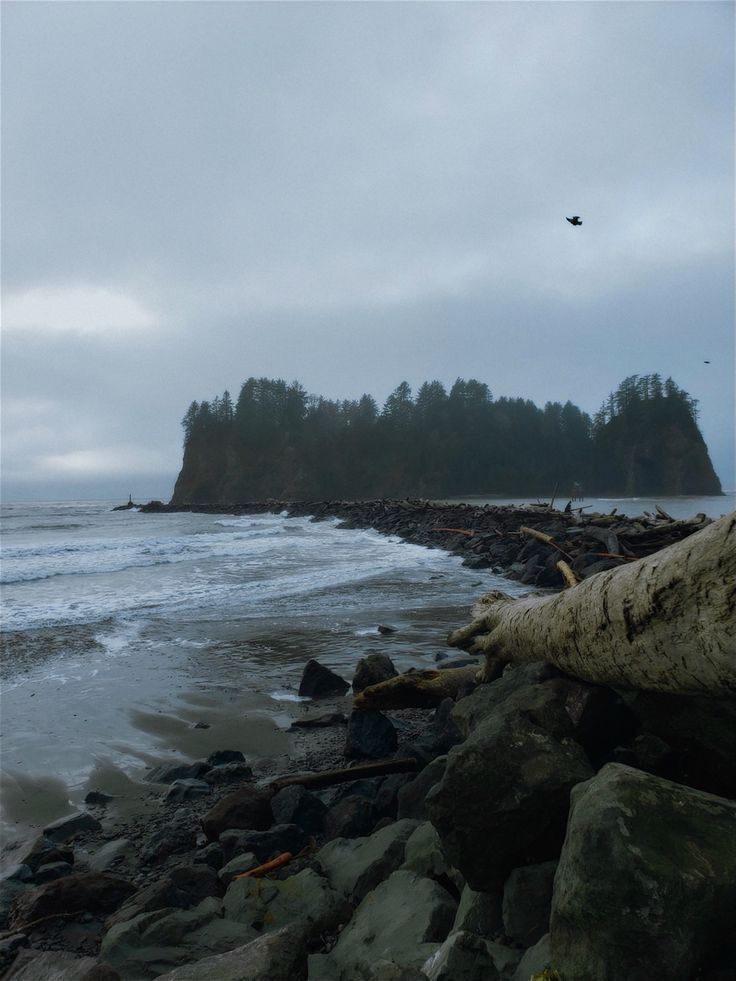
[534, 827]
[525, 543]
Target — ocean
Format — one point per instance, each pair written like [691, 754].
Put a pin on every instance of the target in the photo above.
[122, 631]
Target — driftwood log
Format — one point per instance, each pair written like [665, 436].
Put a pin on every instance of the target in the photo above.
[417, 689]
[666, 622]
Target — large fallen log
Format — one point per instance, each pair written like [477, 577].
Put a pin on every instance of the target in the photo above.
[665, 622]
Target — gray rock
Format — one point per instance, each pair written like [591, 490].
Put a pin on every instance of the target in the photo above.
[248, 808]
[188, 789]
[296, 805]
[534, 961]
[466, 957]
[169, 772]
[179, 836]
[268, 905]
[490, 825]
[371, 735]
[372, 669]
[18, 873]
[221, 776]
[470, 711]
[241, 863]
[403, 920]
[43, 851]
[9, 947]
[480, 913]
[154, 943]
[413, 795]
[321, 967]
[666, 901]
[356, 866]
[387, 798]
[527, 899]
[264, 844]
[424, 855]
[83, 892]
[278, 956]
[10, 890]
[70, 826]
[319, 682]
[110, 854]
[320, 721]
[212, 855]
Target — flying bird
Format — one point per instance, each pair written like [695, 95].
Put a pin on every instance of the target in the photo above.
[575, 220]
[706, 362]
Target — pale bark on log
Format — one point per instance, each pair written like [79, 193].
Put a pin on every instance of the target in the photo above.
[663, 623]
[416, 689]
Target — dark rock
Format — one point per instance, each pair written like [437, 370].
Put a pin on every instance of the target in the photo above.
[178, 836]
[227, 773]
[480, 913]
[109, 854]
[601, 720]
[601, 565]
[654, 755]
[296, 805]
[413, 795]
[222, 756]
[70, 826]
[387, 798]
[465, 957]
[320, 721]
[236, 866]
[505, 795]
[384, 628]
[278, 956]
[356, 866]
[9, 947]
[211, 855]
[54, 870]
[665, 903]
[43, 851]
[352, 817]
[372, 669]
[201, 725]
[92, 892]
[470, 711]
[59, 965]
[264, 844]
[536, 960]
[527, 899]
[247, 809]
[19, 873]
[319, 682]
[370, 736]
[98, 797]
[170, 772]
[187, 790]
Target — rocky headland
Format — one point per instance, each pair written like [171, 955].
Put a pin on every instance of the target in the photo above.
[537, 826]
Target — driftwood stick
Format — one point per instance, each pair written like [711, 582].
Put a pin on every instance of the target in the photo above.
[416, 689]
[328, 778]
[567, 574]
[543, 537]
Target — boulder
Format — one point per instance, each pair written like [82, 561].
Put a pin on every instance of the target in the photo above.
[10, 947]
[386, 925]
[665, 904]
[466, 957]
[54, 870]
[109, 854]
[351, 817]
[356, 866]
[269, 904]
[370, 736]
[319, 682]
[413, 795]
[387, 798]
[424, 855]
[264, 844]
[83, 892]
[220, 776]
[44, 850]
[247, 808]
[277, 956]
[183, 887]
[527, 899]
[536, 960]
[189, 789]
[222, 757]
[153, 943]
[58, 965]
[296, 805]
[371, 669]
[470, 711]
[169, 772]
[70, 826]
[505, 796]
[480, 913]
[236, 866]
[212, 855]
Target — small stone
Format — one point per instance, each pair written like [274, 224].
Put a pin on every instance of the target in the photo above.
[227, 773]
[385, 628]
[70, 826]
[201, 725]
[237, 865]
[97, 797]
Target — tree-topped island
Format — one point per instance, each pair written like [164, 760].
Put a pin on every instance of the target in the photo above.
[277, 441]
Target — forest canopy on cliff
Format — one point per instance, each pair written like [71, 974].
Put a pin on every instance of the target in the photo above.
[277, 441]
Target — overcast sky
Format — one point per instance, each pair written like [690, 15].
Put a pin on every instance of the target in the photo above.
[353, 194]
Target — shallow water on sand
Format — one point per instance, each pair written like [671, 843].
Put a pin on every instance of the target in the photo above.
[123, 630]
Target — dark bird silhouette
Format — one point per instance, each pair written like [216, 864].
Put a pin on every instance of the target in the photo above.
[706, 362]
[575, 220]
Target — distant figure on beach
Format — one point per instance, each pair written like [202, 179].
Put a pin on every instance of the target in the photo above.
[577, 492]
[575, 220]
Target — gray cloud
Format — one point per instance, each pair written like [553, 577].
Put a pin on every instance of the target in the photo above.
[353, 194]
